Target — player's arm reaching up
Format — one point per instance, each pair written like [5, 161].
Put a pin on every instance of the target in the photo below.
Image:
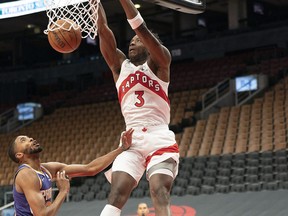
[95, 166]
[159, 56]
[112, 55]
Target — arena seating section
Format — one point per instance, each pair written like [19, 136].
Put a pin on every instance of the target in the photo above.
[239, 148]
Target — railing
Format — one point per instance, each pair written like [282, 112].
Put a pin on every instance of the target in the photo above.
[4, 118]
[6, 206]
[215, 93]
[10, 123]
[6, 210]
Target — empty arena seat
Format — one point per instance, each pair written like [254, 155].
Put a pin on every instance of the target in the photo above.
[101, 195]
[267, 177]
[178, 191]
[254, 186]
[193, 181]
[100, 179]
[106, 187]
[207, 189]
[252, 170]
[186, 167]
[83, 188]
[238, 187]
[77, 197]
[270, 185]
[209, 181]
[222, 188]
[193, 190]
[283, 185]
[89, 196]
[210, 172]
[281, 153]
[183, 174]
[239, 156]
[73, 190]
[238, 163]
[223, 180]
[237, 179]
[238, 171]
[281, 176]
[214, 158]
[281, 168]
[252, 162]
[266, 161]
[267, 169]
[95, 187]
[138, 193]
[225, 164]
[253, 155]
[267, 154]
[89, 181]
[281, 160]
[224, 171]
[212, 164]
[251, 178]
[197, 173]
[181, 182]
[143, 184]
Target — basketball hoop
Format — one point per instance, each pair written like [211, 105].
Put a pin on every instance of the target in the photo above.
[185, 6]
[82, 12]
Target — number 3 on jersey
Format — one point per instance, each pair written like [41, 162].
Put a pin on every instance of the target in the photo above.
[141, 101]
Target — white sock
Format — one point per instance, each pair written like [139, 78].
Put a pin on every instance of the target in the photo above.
[110, 210]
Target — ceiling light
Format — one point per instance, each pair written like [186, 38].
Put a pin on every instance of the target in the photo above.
[137, 6]
[29, 26]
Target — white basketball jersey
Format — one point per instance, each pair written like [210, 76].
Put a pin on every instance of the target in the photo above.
[143, 97]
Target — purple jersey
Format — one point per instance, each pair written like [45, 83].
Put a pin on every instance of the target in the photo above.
[21, 204]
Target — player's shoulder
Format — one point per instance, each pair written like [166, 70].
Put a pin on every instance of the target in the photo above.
[25, 171]
[26, 175]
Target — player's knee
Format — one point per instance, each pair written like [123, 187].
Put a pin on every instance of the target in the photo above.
[118, 197]
[160, 194]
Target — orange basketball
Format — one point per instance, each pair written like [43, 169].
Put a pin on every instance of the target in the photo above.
[62, 40]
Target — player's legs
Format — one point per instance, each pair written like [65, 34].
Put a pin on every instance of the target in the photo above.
[127, 170]
[121, 187]
[160, 187]
[161, 179]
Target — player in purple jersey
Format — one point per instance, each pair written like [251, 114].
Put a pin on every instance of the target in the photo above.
[32, 182]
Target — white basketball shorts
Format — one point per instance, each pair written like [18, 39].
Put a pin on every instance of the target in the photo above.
[150, 146]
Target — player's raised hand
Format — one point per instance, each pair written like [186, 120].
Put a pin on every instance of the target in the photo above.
[63, 183]
[126, 139]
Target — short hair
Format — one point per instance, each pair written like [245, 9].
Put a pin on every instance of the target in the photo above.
[11, 151]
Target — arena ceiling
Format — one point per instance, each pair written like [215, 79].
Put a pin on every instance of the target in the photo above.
[152, 13]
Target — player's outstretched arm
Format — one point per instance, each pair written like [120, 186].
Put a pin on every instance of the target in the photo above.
[160, 57]
[27, 182]
[95, 166]
[112, 55]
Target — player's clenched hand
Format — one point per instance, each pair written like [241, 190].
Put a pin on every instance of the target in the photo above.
[126, 139]
[62, 182]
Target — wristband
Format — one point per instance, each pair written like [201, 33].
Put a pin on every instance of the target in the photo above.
[136, 21]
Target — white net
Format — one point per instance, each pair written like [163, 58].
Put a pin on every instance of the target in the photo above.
[82, 12]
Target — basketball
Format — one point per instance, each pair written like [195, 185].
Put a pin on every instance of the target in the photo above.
[63, 37]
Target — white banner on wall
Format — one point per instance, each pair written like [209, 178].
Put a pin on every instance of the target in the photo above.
[24, 7]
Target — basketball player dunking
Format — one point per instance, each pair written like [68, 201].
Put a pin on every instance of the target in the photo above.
[142, 83]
